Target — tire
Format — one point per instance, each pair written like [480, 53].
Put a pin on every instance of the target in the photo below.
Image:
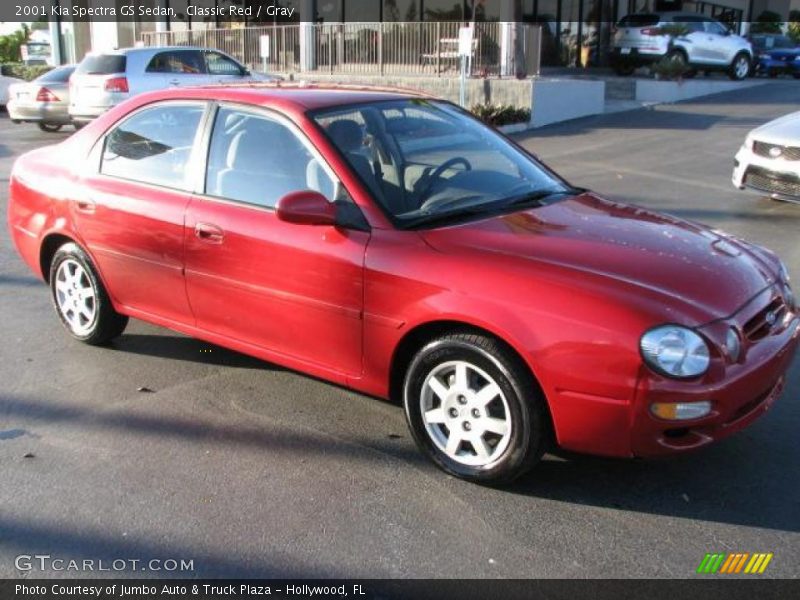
[740, 67]
[50, 127]
[690, 74]
[488, 442]
[80, 300]
[78, 126]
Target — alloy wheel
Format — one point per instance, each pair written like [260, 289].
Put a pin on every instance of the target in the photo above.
[465, 413]
[75, 296]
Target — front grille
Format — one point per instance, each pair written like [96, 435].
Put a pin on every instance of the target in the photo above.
[769, 317]
[773, 183]
[786, 152]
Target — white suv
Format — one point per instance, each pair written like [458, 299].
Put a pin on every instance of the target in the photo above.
[105, 79]
[707, 44]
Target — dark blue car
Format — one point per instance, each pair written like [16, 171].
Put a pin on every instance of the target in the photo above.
[775, 55]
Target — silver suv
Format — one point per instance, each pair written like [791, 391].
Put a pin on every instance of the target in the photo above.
[706, 44]
[103, 80]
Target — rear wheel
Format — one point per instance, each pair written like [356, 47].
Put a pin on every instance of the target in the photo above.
[50, 127]
[80, 299]
[740, 67]
[78, 126]
[474, 409]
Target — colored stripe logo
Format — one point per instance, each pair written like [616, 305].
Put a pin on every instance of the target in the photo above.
[735, 563]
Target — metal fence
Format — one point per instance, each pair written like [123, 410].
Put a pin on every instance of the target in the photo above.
[371, 48]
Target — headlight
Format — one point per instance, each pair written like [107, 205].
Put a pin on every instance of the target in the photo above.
[675, 351]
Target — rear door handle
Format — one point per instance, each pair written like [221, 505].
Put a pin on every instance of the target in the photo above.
[207, 232]
[86, 206]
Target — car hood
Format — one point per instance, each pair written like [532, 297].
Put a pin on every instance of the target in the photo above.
[687, 265]
[781, 52]
[783, 131]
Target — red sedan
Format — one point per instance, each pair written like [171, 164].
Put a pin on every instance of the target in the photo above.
[395, 245]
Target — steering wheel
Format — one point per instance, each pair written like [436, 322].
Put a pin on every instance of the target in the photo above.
[437, 173]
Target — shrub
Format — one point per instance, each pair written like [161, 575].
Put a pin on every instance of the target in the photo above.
[767, 22]
[22, 71]
[794, 26]
[669, 70]
[501, 114]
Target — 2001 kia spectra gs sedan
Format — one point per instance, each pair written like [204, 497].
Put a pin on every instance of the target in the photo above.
[395, 245]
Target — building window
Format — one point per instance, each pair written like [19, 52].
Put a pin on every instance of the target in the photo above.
[401, 10]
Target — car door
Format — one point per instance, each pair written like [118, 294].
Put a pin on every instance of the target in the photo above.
[131, 203]
[719, 43]
[296, 290]
[173, 68]
[223, 69]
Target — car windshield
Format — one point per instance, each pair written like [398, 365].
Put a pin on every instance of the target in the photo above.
[428, 162]
[772, 41]
[102, 64]
[57, 75]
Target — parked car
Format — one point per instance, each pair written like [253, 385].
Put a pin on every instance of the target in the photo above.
[775, 55]
[708, 45]
[769, 160]
[6, 81]
[394, 244]
[44, 101]
[105, 79]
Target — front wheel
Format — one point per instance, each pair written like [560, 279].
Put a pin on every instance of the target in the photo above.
[474, 409]
[50, 127]
[624, 69]
[740, 67]
[80, 299]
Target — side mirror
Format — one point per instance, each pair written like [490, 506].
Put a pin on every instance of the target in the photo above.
[306, 208]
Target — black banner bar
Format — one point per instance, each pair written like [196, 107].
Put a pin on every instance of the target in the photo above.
[719, 587]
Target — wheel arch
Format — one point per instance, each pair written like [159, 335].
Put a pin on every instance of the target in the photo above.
[422, 333]
[48, 248]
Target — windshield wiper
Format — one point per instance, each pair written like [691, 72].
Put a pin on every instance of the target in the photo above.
[444, 218]
[537, 198]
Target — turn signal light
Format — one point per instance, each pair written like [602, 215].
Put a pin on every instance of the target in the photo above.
[680, 411]
[117, 84]
[45, 95]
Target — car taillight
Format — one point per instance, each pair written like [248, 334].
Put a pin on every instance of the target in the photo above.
[45, 95]
[116, 84]
[650, 31]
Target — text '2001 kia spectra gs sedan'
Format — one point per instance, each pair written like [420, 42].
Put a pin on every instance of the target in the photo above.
[395, 245]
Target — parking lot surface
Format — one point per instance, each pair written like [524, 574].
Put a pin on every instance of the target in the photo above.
[164, 447]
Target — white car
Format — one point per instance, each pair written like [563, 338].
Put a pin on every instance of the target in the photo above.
[706, 44]
[103, 80]
[769, 160]
[5, 83]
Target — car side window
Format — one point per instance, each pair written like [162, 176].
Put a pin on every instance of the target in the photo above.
[222, 65]
[715, 27]
[154, 145]
[257, 160]
[184, 62]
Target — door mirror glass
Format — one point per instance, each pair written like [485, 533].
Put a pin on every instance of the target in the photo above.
[306, 208]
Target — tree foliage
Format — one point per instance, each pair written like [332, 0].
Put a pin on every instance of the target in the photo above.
[10, 44]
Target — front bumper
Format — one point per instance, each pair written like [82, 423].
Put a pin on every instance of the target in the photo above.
[777, 66]
[745, 392]
[777, 178]
[45, 112]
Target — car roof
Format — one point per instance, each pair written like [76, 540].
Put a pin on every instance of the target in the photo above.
[673, 13]
[147, 50]
[303, 96]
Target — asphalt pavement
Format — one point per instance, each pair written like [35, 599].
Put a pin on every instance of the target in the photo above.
[163, 447]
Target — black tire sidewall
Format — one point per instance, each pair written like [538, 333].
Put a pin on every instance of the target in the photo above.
[72, 251]
[526, 422]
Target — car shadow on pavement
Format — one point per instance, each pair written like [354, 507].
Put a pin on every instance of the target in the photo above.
[729, 483]
[176, 347]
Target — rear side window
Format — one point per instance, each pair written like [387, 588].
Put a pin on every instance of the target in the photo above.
[185, 62]
[222, 65]
[57, 75]
[102, 64]
[154, 145]
[643, 20]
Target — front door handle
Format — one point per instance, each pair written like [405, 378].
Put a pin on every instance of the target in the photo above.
[86, 206]
[206, 232]
[174, 82]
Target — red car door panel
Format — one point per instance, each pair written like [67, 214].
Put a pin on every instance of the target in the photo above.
[293, 289]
